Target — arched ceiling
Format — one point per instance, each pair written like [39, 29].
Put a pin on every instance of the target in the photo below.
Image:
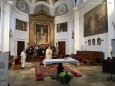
[47, 1]
[52, 7]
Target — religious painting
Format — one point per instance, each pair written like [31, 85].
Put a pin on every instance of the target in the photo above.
[21, 25]
[41, 34]
[95, 21]
[98, 41]
[89, 41]
[62, 27]
[93, 41]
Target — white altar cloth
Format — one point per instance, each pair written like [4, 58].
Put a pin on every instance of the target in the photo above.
[67, 60]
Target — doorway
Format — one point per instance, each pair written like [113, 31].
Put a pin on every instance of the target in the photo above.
[20, 47]
[61, 47]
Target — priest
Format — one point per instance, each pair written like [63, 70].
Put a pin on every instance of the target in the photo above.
[48, 53]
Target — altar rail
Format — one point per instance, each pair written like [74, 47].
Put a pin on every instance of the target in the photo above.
[94, 57]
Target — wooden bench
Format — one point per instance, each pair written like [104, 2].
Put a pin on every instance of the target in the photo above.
[32, 58]
[90, 57]
[87, 62]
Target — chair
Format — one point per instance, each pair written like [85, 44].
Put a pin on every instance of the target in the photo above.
[41, 59]
[108, 67]
[38, 74]
[17, 64]
[54, 57]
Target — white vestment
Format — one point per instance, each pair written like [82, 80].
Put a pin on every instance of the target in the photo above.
[23, 58]
[49, 53]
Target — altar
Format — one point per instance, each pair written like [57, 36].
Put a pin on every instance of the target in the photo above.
[60, 61]
[67, 60]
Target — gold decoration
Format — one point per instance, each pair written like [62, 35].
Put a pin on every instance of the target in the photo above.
[41, 18]
[54, 1]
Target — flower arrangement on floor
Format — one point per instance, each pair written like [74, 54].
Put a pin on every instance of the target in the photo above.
[65, 77]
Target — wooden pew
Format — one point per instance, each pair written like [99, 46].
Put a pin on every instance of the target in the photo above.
[91, 57]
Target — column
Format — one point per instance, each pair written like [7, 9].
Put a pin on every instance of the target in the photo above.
[111, 18]
[1, 26]
[7, 21]
[76, 33]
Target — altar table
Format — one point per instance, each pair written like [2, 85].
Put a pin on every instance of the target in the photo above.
[60, 61]
[67, 60]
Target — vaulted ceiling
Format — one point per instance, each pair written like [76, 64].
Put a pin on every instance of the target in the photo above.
[52, 7]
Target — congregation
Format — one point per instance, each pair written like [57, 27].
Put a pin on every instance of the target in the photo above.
[40, 50]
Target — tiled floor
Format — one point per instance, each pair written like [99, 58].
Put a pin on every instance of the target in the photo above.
[91, 76]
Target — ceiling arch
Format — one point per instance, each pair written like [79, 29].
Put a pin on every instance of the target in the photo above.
[49, 5]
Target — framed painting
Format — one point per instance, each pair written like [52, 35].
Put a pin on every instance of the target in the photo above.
[62, 27]
[41, 34]
[21, 25]
[93, 41]
[98, 41]
[95, 21]
[89, 41]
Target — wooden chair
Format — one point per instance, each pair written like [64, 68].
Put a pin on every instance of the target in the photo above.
[41, 58]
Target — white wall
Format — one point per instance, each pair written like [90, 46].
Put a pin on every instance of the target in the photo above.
[84, 8]
[65, 36]
[18, 35]
[111, 18]
[104, 43]
[0, 30]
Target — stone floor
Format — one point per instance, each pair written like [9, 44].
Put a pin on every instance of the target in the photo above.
[91, 76]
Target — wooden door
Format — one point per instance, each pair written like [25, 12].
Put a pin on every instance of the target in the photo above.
[20, 47]
[61, 47]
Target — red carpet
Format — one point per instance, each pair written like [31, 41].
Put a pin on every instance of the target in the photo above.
[50, 70]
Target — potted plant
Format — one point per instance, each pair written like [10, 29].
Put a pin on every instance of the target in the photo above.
[65, 77]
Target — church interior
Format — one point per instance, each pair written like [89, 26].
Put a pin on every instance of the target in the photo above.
[79, 33]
